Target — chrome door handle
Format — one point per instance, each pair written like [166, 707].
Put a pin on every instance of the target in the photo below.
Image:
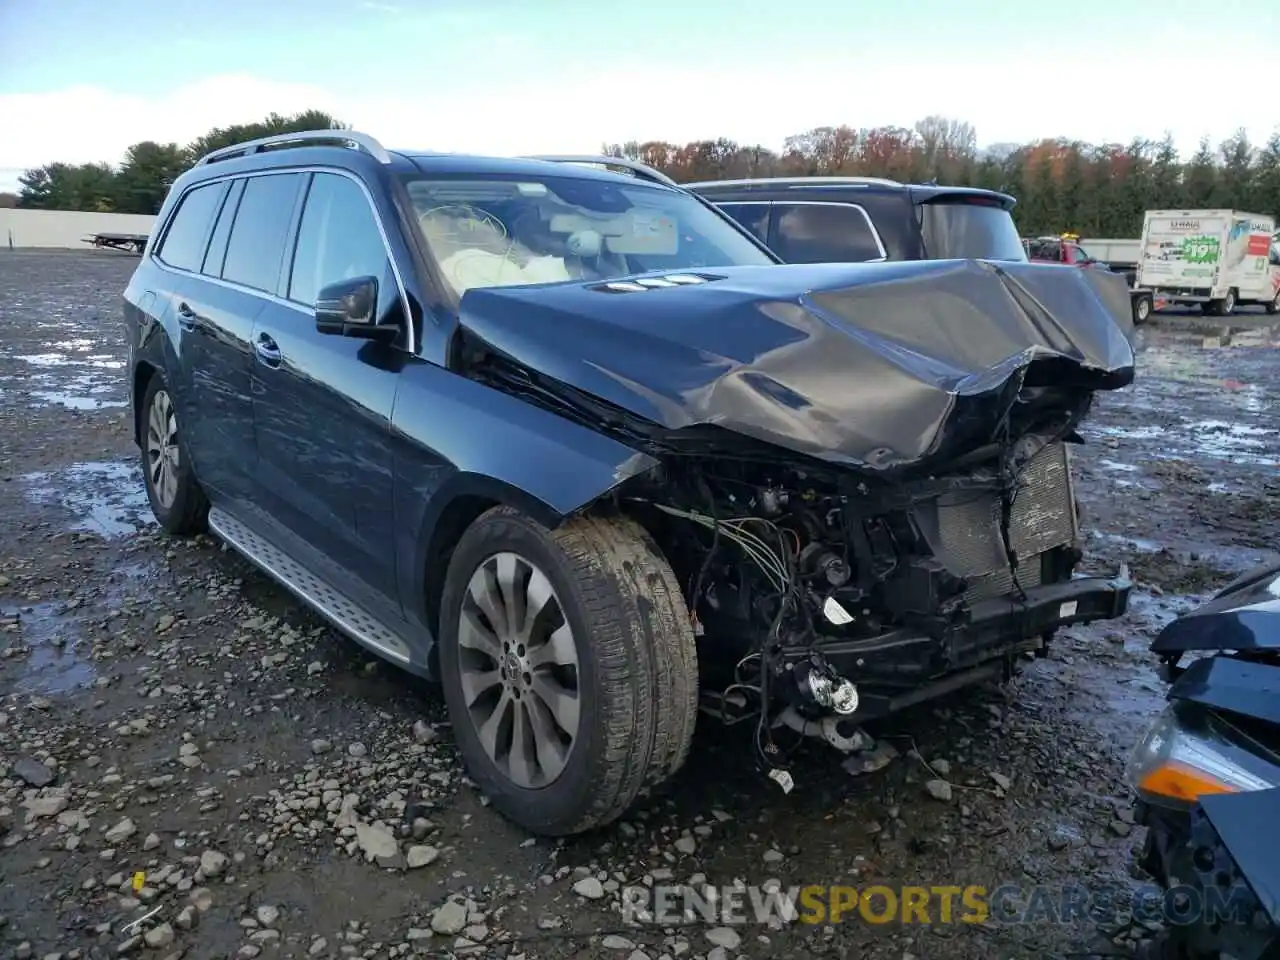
[188, 319]
[268, 351]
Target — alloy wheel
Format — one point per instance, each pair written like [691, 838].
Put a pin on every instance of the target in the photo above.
[162, 449]
[519, 671]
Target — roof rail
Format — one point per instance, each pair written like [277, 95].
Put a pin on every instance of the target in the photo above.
[355, 139]
[800, 182]
[641, 170]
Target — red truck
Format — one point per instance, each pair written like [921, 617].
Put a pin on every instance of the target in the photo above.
[1066, 250]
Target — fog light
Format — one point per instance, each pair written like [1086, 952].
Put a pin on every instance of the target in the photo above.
[828, 689]
[844, 698]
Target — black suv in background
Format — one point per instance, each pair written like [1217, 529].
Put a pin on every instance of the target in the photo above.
[578, 446]
[861, 219]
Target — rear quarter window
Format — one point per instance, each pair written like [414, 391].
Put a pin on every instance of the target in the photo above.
[212, 265]
[978, 229]
[183, 243]
[824, 233]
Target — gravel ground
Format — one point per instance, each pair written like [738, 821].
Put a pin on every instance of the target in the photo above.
[170, 717]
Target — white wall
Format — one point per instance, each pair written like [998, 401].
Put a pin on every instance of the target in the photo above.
[64, 228]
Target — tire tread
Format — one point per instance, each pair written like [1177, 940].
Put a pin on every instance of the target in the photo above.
[643, 644]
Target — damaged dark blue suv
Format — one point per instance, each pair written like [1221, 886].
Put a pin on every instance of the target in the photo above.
[575, 444]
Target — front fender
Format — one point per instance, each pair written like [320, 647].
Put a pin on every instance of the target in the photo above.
[462, 446]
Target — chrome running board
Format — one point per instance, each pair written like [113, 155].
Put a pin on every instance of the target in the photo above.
[332, 604]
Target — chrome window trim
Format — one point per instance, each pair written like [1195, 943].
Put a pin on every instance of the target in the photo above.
[413, 344]
[875, 234]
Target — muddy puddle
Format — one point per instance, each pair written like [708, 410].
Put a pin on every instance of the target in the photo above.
[1108, 672]
[55, 639]
[52, 638]
[75, 374]
[107, 498]
[78, 391]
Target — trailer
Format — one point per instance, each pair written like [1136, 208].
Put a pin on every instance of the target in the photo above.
[132, 242]
[1121, 256]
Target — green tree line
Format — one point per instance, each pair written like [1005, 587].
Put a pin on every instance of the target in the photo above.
[1061, 185]
[1096, 190]
[141, 181]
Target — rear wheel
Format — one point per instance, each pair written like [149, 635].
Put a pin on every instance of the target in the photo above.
[568, 663]
[176, 498]
[1142, 308]
[1274, 306]
[1223, 307]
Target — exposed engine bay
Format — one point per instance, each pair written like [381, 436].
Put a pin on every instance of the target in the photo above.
[809, 587]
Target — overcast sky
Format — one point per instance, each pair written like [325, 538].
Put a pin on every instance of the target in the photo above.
[80, 80]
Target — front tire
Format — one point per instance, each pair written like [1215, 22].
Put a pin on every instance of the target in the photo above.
[1142, 309]
[176, 498]
[569, 668]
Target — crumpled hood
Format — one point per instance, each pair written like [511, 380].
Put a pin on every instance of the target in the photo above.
[1244, 615]
[876, 366]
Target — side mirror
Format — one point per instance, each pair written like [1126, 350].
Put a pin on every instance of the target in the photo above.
[349, 308]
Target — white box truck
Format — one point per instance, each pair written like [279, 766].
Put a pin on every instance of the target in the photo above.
[1218, 259]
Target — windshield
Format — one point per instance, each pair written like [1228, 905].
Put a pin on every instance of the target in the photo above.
[506, 231]
[966, 230]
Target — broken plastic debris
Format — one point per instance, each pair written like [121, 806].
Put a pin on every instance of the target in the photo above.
[137, 923]
[836, 613]
[782, 779]
[869, 761]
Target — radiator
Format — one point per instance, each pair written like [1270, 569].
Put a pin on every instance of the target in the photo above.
[963, 528]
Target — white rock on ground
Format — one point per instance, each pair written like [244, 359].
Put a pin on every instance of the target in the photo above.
[160, 936]
[939, 790]
[376, 843]
[724, 937]
[589, 887]
[121, 831]
[213, 863]
[421, 856]
[449, 918]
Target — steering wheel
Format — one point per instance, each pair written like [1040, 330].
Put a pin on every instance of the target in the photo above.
[462, 226]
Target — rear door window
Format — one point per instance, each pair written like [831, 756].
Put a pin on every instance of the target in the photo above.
[824, 233]
[752, 216]
[255, 249]
[184, 242]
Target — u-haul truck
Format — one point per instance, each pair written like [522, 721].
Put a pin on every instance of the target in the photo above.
[1218, 259]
